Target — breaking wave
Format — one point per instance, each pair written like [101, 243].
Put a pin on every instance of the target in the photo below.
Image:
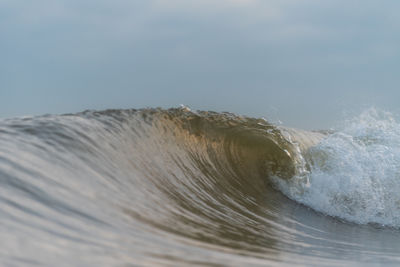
[166, 187]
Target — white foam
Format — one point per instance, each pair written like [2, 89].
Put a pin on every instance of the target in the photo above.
[355, 172]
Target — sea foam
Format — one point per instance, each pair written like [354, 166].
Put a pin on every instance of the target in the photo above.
[354, 173]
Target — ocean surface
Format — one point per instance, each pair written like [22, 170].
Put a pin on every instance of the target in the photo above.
[176, 187]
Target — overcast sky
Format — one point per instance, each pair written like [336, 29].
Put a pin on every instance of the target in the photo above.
[303, 62]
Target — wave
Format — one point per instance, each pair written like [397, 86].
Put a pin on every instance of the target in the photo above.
[106, 187]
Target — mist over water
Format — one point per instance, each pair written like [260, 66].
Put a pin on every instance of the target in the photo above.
[180, 187]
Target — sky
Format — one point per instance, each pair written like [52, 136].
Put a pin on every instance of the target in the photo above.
[306, 63]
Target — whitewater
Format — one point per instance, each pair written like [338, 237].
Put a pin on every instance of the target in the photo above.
[156, 187]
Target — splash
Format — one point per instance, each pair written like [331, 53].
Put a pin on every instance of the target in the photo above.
[355, 172]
